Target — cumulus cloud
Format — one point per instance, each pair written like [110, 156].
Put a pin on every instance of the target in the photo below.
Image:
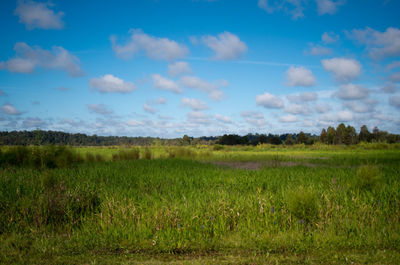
[10, 109]
[160, 100]
[212, 89]
[328, 6]
[198, 117]
[111, 84]
[329, 37]
[318, 50]
[99, 109]
[341, 116]
[361, 106]
[298, 109]
[154, 47]
[299, 76]
[179, 68]
[352, 91]
[268, 100]
[343, 69]
[226, 45]
[38, 15]
[254, 118]
[380, 45]
[292, 7]
[223, 119]
[163, 83]
[322, 108]
[149, 109]
[344, 116]
[395, 101]
[303, 97]
[195, 104]
[28, 58]
[288, 118]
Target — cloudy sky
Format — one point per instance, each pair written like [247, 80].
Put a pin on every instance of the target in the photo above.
[172, 67]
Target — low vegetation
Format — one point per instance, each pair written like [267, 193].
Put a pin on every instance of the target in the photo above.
[301, 204]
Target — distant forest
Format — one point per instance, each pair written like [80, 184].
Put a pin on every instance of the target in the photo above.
[342, 134]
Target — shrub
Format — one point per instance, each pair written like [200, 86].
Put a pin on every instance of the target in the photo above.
[303, 204]
[147, 154]
[368, 177]
[129, 154]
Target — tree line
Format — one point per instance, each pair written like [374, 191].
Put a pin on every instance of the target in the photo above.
[342, 134]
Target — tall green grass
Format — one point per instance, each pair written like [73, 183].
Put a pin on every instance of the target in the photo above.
[186, 205]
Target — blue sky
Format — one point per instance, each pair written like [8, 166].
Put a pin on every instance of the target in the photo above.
[169, 68]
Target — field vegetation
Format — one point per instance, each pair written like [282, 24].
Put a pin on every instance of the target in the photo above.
[204, 204]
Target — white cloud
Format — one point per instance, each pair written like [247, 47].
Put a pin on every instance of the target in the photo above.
[198, 117]
[379, 44]
[149, 109]
[318, 50]
[395, 101]
[341, 116]
[288, 118]
[155, 48]
[10, 109]
[179, 68]
[134, 123]
[352, 91]
[268, 100]
[223, 119]
[328, 6]
[226, 45]
[343, 69]
[28, 58]
[395, 77]
[299, 76]
[254, 118]
[361, 107]
[303, 97]
[99, 109]
[322, 108]
[195, 104]
[38, 15]
[111, 84]
[163, 83]
[211, 89]
[329, 37]
[298, 109]
[344, 116]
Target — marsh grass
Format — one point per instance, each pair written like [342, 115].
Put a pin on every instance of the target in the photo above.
[183, 205]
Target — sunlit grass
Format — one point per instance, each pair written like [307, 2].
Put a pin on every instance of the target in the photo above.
[175, 200]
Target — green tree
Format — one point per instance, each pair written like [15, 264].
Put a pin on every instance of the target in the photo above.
[323, 138]
[302, 138]
[289, 140]
[340, 133]
[331, 135]
[365, 135]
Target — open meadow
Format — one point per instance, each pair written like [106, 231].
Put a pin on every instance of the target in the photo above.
[200, 205]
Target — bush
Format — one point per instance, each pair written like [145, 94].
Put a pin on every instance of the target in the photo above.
[368, 177]
[303, 204]
[147, 154]
[129, 154]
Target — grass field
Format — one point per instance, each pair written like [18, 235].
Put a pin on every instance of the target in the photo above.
[205, 205]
